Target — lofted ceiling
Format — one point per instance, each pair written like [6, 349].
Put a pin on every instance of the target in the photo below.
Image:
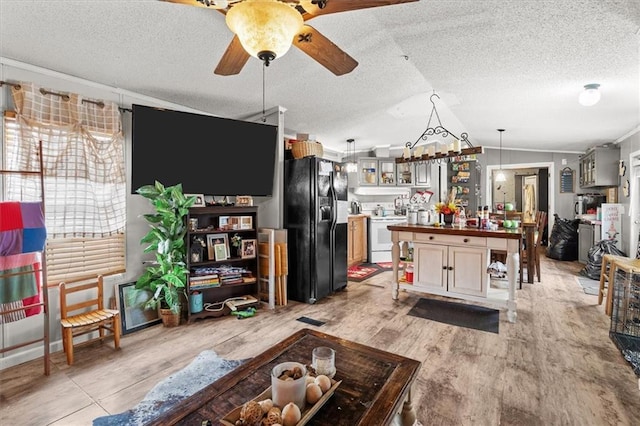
[513, 64]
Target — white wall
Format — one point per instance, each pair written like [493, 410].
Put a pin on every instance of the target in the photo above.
[269, 211]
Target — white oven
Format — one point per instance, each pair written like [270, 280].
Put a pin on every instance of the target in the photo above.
[380, 237]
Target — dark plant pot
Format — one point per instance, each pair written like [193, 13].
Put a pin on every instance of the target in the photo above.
[448, 219]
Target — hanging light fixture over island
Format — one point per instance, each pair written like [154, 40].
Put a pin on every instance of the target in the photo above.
[444, 150]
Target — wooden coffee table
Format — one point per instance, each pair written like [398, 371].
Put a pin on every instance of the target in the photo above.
[376, 385]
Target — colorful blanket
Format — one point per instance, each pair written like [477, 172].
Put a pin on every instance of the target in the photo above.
[22, 239]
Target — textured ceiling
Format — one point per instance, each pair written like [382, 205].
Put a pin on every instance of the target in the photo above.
[513, 64]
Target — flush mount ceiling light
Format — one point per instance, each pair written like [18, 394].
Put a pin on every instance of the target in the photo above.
[590, 95]
[265, 27]
[500, 176]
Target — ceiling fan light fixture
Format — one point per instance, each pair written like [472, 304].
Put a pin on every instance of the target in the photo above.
[265, 27]
[590, 95]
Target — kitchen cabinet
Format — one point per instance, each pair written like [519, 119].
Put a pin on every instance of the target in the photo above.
[599, 167]
[216, 270]
[367, 171]
[585, 241]
[451, 269]
[422, 174]
[356, 240]
[452, 262]
[387, 176]
[385, 172]
[405, 174]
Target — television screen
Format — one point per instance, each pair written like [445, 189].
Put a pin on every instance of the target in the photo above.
[207, 155]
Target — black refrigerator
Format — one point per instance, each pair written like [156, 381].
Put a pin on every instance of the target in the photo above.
[315, 217]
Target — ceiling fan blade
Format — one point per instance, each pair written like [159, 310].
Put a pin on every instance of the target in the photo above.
[327, 54]
[312, 7]
[233, 59]
[189, 3]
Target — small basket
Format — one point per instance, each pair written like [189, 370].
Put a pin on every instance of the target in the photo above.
[303, 149]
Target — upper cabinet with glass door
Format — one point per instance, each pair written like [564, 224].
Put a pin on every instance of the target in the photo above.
[387, 176]
[367, 171]
[405, 174]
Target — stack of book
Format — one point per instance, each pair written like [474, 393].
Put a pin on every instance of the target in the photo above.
[198, 282]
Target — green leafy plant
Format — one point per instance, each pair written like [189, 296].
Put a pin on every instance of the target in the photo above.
[166, 278]
[236, 240]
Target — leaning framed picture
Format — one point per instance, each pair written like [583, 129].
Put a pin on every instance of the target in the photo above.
[199, 199]
[248, 249]
[133, 314]
[217, 253]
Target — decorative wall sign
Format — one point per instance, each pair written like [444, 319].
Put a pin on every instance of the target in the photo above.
[567, 180]
[622, 169]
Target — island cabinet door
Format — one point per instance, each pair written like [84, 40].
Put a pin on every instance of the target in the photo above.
[430, 266]
[468, 271]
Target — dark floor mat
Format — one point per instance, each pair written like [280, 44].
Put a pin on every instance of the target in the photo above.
[462, 315]
[310, 321]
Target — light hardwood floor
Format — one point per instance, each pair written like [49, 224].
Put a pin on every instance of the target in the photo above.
[555, 366]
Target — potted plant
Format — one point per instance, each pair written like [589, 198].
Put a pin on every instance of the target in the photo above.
[166, 278]
[236, 241]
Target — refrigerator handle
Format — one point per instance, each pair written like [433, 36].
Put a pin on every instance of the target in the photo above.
[334, 205]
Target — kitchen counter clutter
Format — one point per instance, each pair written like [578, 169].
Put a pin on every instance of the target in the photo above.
[460, 255]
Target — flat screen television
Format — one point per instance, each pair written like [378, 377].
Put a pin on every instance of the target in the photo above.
[207, 155]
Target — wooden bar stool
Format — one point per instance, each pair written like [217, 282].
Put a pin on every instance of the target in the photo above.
[610, 264]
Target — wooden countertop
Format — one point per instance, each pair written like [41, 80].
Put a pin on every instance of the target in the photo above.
[475, 232]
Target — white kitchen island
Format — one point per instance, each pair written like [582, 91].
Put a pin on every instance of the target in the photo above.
[450, 261]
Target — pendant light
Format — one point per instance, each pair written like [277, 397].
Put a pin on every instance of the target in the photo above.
[351, 156]
[500, 177]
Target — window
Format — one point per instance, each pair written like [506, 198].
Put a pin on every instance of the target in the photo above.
[84, 178]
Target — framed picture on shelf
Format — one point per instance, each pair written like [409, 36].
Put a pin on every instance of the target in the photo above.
[223, 223]
[133, 314]
[248, 249]
[234, 222]
[212, 241]
[199, 199]
[246, 222]
[220, 251]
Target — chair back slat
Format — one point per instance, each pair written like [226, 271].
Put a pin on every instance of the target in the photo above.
[82, 312]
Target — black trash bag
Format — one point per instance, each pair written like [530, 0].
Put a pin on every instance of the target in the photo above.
[563, 243]
[596, 253]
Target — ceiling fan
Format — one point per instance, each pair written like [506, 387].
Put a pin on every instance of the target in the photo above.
[305, 37]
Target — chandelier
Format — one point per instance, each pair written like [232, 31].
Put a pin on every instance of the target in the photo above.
[265, 28]
[445, 150]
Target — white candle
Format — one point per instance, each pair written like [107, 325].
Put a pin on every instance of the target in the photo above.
[431, 150]
[418, 152]
[456, 145]
[407, 152]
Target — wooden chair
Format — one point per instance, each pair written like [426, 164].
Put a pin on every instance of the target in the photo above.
[82, 311]
[541, 221]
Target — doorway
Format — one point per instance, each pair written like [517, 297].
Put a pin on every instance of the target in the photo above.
[545, 172]
[633, 186]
